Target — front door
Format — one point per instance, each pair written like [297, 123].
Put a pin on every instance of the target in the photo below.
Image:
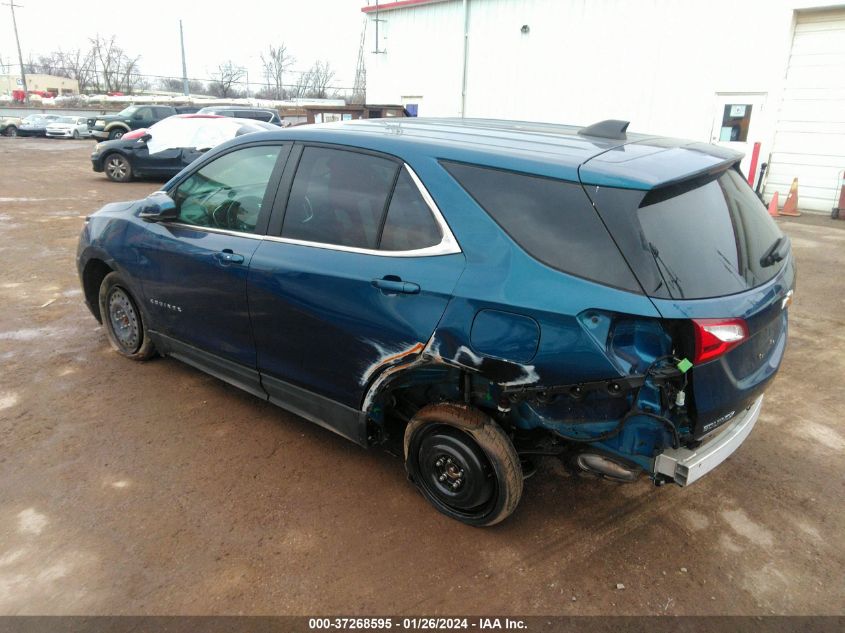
[737, 123]
[357, 277]
[195, 268]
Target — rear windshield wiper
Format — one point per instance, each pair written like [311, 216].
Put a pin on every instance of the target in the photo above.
[776, 252]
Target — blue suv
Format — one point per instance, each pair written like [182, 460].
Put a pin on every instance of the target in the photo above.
[474, 293]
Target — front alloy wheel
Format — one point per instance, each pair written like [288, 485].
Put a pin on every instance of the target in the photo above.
[118, 168]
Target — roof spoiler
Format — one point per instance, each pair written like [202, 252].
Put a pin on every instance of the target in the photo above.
[611, 128]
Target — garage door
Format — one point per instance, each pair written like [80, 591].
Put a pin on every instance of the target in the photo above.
[810, 133]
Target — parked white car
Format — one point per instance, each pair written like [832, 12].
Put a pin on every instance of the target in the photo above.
[69, 127]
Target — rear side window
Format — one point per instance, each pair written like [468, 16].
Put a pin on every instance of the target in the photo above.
[552, 220]
[409, 224]
[339, 197]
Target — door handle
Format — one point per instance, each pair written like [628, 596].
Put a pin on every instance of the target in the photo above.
[394, 285]
[226, 256]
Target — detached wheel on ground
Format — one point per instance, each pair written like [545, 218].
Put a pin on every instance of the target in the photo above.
[123, 321]
[463, 463]
[117, 168]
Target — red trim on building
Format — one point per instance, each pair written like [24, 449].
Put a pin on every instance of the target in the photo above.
[398, 4]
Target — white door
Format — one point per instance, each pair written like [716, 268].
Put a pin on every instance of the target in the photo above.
[810, 134]
[737, 123]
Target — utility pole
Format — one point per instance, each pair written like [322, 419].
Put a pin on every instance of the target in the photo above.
[185, 87]
[11, 4]
[359, 89]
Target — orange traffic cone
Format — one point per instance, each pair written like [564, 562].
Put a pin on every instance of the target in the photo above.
[790, 207]
[773, 206]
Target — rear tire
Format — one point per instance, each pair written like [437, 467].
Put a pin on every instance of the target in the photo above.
[117, 168]
[124, 323]
[463, 463]
[11, 131]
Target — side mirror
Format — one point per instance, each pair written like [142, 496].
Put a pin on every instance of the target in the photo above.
[158, 207]
[146, 137]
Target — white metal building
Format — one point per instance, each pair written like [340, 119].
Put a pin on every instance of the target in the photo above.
[734, 72]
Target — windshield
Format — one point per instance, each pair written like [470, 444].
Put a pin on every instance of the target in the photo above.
[66, 119]
[705, 237]
[33, 118]
[128, 111]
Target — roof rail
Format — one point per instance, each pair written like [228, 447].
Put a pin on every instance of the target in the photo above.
[611, 128]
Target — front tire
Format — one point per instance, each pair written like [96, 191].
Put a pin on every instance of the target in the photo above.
[76, 135]
[124, 323]
[116, 133]
[11, 131]
[117, 168]
[463, 463]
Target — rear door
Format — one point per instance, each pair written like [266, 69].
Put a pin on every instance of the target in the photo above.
[354, 274]
[705, 248]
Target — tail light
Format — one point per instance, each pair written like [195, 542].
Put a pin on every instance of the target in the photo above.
[714, 337]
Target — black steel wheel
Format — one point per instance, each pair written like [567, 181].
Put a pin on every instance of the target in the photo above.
[122, 319]
[117, 168]
[463, 463]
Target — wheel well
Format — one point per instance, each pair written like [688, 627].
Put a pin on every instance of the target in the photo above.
[411, 390]
[95, 271]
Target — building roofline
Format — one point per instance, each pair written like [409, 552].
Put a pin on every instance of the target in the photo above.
[398, 4]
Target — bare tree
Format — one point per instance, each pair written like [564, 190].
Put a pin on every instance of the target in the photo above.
[300, 88]
[226, 77]
[79, 65]
[276, 61]
[116, 71]
[318, 80]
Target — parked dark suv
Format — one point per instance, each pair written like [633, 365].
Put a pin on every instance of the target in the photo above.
[135, 117]
[259, 114]
[473, 292]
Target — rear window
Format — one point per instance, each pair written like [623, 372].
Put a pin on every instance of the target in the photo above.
[705, 237]
[552, 220]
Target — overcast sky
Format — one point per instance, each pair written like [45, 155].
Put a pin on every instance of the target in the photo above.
[320, 29]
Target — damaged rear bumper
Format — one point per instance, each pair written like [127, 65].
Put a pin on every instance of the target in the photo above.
[685, 466]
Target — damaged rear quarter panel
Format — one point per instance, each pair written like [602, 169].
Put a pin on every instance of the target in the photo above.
[500, 276]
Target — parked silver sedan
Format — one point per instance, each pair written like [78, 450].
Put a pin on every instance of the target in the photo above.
[69, 127]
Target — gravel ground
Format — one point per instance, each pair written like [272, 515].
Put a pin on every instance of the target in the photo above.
[154, 489]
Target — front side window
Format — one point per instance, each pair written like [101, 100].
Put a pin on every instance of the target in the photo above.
[227, 193]
[339, 197]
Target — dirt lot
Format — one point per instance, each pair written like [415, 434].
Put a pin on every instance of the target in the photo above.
[152, 488]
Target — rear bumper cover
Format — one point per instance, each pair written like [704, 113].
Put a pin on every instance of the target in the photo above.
[685, 466]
